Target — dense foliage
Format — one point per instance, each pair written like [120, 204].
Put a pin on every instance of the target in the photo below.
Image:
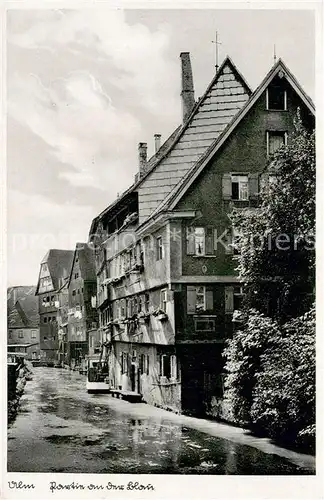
[276, 247]
[270, 361]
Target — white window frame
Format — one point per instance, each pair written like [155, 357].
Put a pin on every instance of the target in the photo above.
[34, 334]
[243, 193]
[271, 109]
[205, 318]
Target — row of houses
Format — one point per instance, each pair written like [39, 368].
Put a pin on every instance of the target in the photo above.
[23, 321]
[154, 289]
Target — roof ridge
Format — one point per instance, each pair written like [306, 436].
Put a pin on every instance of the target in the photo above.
[182, 128]
[167, 201]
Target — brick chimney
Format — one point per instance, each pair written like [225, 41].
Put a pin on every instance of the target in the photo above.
[157, 142]
[187, 87]
[142, 160]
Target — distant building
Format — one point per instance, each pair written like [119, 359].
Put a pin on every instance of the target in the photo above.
[167, 285]
[82, 312]
[62, 322]
[54, 269]
[23, 321]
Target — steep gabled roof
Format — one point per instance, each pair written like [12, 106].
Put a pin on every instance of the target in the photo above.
[86, 262]
[225, 96]
[22, 308]
[59, 265]
[179, 190]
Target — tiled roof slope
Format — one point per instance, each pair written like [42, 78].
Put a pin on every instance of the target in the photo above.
[174, 195]
[22, 307]
[224, 97]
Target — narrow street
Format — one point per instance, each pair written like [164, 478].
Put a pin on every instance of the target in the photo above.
[60, 428]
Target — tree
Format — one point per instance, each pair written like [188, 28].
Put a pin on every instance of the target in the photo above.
[276, 258]
[270, 361]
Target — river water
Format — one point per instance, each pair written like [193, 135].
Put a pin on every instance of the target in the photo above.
[61, 428]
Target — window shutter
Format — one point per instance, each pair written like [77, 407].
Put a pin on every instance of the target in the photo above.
[227, 187]
[121, 357]
[229, 299]
[209, 299]
[209, 241]
[173, 361]
[147, 364]
[191, 299]
[253, 186]
[190, 241]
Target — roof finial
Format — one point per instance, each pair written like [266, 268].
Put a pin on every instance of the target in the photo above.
[216, 42]
[274, 54]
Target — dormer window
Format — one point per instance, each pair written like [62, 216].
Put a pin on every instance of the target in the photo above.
[276, 98]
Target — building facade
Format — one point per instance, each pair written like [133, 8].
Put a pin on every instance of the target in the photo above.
[54, 269]
[23, 321]
[167, 285]
[82, 312]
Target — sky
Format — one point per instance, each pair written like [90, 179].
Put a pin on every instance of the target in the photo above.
[85, 86]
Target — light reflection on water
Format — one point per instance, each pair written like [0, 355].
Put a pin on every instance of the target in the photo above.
[62, 429]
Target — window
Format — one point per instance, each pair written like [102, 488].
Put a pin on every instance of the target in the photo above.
[21, 334]
[124, 362]
[78, 291]
[276, 98]
[73, 293]
[168, 366]
[200, 241]
[34, 334]
[240, 187]
[144, 363]
[123, 308]
[10, 334]
[165, 366]
[45, 319]
[159, 248]
[275, 140]
[233, 238]
[199, 299]
[164, 300]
